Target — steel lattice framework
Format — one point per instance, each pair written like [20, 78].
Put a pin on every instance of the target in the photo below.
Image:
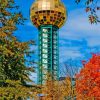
[48, 16]
[48, 52]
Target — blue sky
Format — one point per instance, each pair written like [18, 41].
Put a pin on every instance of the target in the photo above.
[78, 38]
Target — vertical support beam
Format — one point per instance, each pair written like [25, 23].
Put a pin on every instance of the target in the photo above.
[48, 53]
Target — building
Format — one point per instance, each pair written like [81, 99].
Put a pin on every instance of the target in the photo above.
[48, 16]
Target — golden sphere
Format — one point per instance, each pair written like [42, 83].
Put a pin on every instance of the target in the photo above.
[48, 12]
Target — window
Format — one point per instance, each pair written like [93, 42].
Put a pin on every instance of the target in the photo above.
[55, 57]
[44, 60]
[45, 56]
[45, 72]
[45, 40]
[48, 5]
[44, 4]
[55, 62]
[44, 66]
[40, 6]
[45, 45]
[55, 68]
[45, 51]
[44, 77]
[45, 35]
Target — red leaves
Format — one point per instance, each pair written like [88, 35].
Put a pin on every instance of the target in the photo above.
[88, 80]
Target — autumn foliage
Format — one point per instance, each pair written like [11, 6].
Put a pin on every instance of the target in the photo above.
[92, 8]
[57, 90]
[14, 73]
[88, 80]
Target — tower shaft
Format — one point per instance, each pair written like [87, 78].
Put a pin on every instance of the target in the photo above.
[48, 53]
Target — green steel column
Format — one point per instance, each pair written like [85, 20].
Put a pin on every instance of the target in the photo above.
[48, 16]
[48, 53]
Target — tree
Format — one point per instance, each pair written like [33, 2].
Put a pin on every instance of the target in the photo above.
[56, 89]
[15, 90]
[68, 73]
[67, 88]
[50, 90]
[88, 80]
[92, 8]
[14, 73]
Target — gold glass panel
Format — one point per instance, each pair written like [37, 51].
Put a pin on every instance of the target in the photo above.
[45, 12]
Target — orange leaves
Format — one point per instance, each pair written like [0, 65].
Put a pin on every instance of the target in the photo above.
[58, 90]
[88, 80]
[92, 9]
[7, 29]
[6, 13]
[93, 19]
[88, 9]
[3, 34]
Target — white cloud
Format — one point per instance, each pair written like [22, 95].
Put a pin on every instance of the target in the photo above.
[78, 27]
[69, 52]
[94, 41]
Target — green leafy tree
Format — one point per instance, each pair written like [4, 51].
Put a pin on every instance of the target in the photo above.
[14, 74]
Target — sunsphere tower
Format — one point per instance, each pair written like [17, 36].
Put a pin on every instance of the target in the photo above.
[48, 16]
